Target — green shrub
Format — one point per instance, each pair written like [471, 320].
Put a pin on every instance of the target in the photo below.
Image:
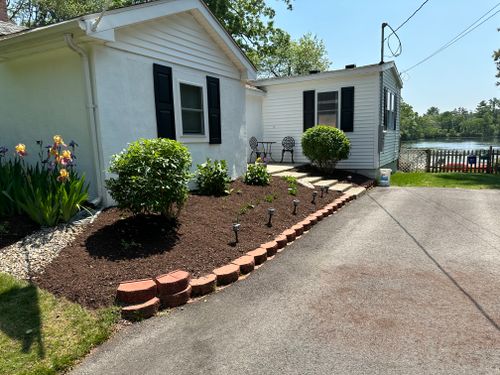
[257, 174]
[11, 182]
[325, 146]
[212, 178]
[292, 184]
[152, 176]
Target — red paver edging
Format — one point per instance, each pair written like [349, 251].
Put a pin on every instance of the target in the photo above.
[259, 255]
[246, 264]
[177, 299]
[135, 292]
[176, 288]
[142, 311]
[172, 282]
[271, 247]
[227, 274]
[203, 285]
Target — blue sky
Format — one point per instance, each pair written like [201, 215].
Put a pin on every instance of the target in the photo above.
[460, 76]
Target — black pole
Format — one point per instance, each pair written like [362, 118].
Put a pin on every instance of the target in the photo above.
[382, 43]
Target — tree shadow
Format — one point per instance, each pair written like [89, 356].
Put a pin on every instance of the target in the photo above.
[138, 236]
[20, 317]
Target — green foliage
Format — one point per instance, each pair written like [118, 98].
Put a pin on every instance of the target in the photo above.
[496, 59]
[257, 174]
[152, 176]
[212, 178]
[295, 57]
[47, 201]
[325, 146]
[11, 182]
[483, 122]
[447, 180]
[49, 192]
[292, 184]
[42, 334]
[269, 198]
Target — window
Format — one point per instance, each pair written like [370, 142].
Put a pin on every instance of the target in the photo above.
[328, 103]
[192, 109]
[389, 110]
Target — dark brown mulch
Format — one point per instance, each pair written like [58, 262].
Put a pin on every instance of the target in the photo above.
[119, 246]
[15, 228]
[339, 174]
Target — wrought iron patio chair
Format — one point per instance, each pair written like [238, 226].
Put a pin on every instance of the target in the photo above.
[288, 144]
[254, 146]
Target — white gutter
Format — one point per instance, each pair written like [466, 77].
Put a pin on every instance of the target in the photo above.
[91, 107]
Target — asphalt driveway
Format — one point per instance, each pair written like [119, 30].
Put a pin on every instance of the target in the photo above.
[402, 281]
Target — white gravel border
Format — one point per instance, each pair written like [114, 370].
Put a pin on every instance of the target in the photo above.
[33, 253]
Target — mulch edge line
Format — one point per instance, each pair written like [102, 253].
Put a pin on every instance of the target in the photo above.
[323, 212]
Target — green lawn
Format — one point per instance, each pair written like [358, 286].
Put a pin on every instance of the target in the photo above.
[41, 334]
[450, 180]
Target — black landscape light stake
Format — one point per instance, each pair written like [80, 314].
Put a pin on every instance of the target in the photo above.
[236, 229]
[295, 205]
[327, 189]
[322, 191]
[315, 194]
[270, 211]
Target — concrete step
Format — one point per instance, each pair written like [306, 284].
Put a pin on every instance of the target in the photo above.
[290, 173]
[356, 191]
[322, 183]
[305, 183]
[310, 179]
[341, 187]
[273, 168]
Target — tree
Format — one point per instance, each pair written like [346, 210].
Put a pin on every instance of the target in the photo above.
[295, 57]
[496, 59]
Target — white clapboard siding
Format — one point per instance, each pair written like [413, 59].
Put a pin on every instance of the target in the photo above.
[178, 39]
[282, 116]
[391, 141]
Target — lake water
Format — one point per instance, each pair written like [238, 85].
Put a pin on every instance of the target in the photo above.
[453, 143]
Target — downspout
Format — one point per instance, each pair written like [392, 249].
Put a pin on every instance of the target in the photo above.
[91, 107]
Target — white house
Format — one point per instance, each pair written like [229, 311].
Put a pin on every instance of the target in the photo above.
[160, 69]
[361, 101]
[169, 69]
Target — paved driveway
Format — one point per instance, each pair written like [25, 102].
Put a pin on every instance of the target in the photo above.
[402, 281]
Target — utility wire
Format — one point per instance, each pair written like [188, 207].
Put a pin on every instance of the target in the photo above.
[459, 36]
[399, 50]
[409, 18]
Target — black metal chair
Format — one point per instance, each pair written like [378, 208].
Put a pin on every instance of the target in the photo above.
[254, 146]
[288, 144]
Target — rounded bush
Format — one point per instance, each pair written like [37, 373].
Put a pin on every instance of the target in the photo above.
[325, 146]
[257, 174]
[212, 178]
[152, 176]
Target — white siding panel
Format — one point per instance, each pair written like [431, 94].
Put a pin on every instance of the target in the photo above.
[177, 39]
[282, 116]
[390, 152]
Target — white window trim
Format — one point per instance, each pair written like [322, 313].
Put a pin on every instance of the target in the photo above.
[392, 94]
[190, 138]
[316, 101]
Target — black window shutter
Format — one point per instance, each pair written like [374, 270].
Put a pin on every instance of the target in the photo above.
[394, 114]
[214, 115]
[164, 100]
[347, 109]
[385, 108]
[308, 109]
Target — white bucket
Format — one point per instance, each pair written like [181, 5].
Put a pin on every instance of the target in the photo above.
[385, 177]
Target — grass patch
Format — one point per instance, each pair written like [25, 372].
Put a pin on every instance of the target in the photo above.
[449, 180]
[42, 334]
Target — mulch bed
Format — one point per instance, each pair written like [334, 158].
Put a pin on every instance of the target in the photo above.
[118, 246]
[15, 228]
[338, 174]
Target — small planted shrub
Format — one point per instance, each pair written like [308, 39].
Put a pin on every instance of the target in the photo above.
[212, 178]
[257, 174]
[292, 184]
[152, 177]
[49, 192]
[325, 146]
